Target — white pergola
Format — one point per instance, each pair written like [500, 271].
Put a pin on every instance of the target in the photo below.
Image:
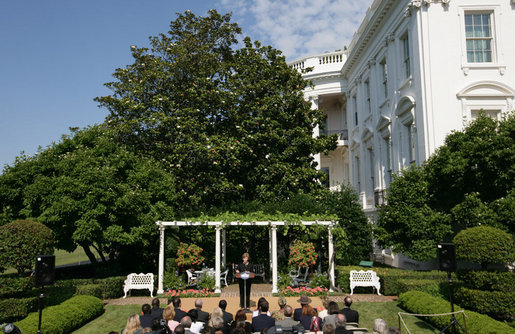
[220, 249]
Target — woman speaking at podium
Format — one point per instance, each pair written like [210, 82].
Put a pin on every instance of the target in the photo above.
[246, 281]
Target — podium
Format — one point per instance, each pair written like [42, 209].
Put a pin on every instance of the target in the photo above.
[245, 276]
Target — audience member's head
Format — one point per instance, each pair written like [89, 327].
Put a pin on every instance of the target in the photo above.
[132, 325]
[176, 302]
[380, 326]
[340, 320]
[198, 303]
[179, 329]
[146, 309]
[193, 314]
[222, 304]
[325, 303]
[240, 315]
[260, 300]
[217, 323]
[332, 308]
[217, 312]
[347, 301]
[281, 302]
[186, 321]
[308, 310]
[328, 328]
[394, 330]
[155, 302]
[156, 324]
[168, 313]
[288, 311]
[304, 301]
[238, 329]
[263, 306]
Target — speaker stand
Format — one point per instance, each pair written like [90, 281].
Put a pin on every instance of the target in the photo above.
[40, 306]
[453, 319]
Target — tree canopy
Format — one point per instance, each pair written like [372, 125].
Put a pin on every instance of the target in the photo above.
[467, 182]
[231, 123]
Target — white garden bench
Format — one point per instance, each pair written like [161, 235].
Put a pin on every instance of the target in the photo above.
[364, 278]
[139, 281]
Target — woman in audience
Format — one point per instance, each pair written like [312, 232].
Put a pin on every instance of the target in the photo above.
[333, 310]
[309, 317]
[217, 312]
[240, 322]
[279, 314]
[169, 314]
[324, 313]
[133, 326]
[380, 326]
[256, 312]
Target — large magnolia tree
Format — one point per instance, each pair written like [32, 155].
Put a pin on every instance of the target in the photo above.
[228, 119]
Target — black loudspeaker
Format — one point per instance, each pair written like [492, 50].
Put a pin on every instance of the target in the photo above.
[45, 270]
[447, 257]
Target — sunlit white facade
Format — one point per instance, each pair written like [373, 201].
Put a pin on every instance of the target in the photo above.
[414, 72]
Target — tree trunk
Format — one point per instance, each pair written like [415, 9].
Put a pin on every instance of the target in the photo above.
[92, 258]
[99, 251]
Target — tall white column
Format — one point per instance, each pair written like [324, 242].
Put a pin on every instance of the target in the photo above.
[224, 249]
[161, 260]
[217, 259]
[316, 130]
[270, 246]
[331, 257]
[274, 259]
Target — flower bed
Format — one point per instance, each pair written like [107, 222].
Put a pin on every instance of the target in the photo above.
[318, 291]
[191, 293]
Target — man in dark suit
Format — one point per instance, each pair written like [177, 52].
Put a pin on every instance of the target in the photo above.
[228, 317]
[340, 325]
[202, 316]
[157, 312]
[179, 314]
[146, 318]
[304, 300]
[263, 320]
[350, 315]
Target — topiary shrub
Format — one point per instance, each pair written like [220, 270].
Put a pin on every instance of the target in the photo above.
[484, 245]
[21, 241]
[497, 304]
[12, 309]
[64, 318]
[422, 303]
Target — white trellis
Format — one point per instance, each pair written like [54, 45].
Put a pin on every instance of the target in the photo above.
[220, 255]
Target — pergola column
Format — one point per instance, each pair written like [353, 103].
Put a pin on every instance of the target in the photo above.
[274, 259]
[161, 259]
[331, 257]
[217, 259]
[224, 249]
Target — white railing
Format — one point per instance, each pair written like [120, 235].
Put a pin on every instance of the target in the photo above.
[326, 62]
[332, 58]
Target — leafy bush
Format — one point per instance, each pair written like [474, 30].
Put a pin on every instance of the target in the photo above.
[89, 290]
[284, 280]
[206, 282]
[484, 245]
[12, 309]
[21, 241]
[497, 304]
[64, 318]
[174, 280]
[189, 255]
[488, 280]
[425, 285]
[10, 286]
[302, 254]
[422, 303]
[112, 287]
[319, 280]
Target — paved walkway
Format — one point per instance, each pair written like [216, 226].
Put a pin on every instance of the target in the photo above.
[231, 294]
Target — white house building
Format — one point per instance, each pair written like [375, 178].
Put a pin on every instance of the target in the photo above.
[414, 71]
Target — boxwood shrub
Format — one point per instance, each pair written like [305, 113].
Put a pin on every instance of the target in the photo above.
[89, 290]
[12, 309]
[390, 278]
[497, 304]
[488, 280]
[64, 318]
[11, 286]
[423, 303]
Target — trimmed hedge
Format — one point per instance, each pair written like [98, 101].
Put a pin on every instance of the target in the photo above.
[488, 280]
[64, 318]
[423, 303]
[89, 290]
[12, 309]
[497, 304]
[11, 286]
[392, 280]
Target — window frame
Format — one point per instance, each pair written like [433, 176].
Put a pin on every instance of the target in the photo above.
[405, 55]
[474, 39]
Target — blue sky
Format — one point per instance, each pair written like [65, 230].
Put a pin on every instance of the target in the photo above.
[55, 55]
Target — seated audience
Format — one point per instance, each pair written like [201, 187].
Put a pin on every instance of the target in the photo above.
[340, 325]
[217, 324]
[179, 314]
[256, 312]
[179, 329]
[303, 301]
[263, 320]
[169, 314]
[240, 322]
[186, 324]
[157, 312]
[333, 311]
[146, 318]
[228, 317]
[328, 328]
[288, 321]
[350, 315]
[196, 325]
[133, 325]
[324, 313]
[202, 315]
[380, 326]
[279, 314]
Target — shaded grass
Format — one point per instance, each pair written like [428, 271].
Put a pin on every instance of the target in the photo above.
[368, 311]
[115, 317]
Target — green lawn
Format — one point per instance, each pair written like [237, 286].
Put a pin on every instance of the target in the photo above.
[63, 257]
[115, 317]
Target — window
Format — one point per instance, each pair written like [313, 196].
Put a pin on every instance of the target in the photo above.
[372, 170]
[325, 170]
[355, 107]
[406, 56]
[411, 144]
[495, 114]
[367, 96]
[326, 126]
[384, 71]
[479, 40]
[388, 166]
[358, 176]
